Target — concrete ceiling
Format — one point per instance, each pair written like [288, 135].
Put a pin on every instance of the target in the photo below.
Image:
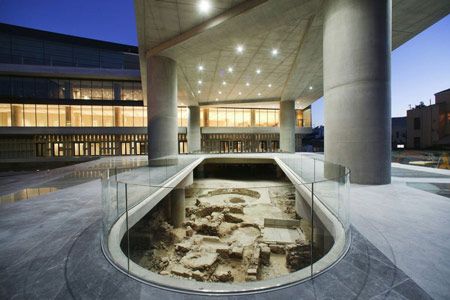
[176, 29]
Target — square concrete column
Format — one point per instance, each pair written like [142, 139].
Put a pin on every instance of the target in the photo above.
[357, 92]
[162, 110]
[193, 129]
[287, 126]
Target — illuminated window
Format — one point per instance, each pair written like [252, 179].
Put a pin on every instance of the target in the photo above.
[145, 116]
[230, 117]
[239, 117]
[307, 117]
[97, 116]
[63, 122]
[5, 115]
[76, 89]
[86, 116]
[53, 116]
[17, 115]
[30, 115]
[108, 116]
[41, 115]
[247, 118]
[137, 92]
[86, 90]
[212, 116]
[118, 116]
[97, 90]
[271, 118]
[221, 117]
[128, 116]
[202, 118]
[127, 90]
[138, 116]
[107, 90]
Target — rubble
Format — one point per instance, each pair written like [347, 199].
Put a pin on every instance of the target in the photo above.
[227, 238]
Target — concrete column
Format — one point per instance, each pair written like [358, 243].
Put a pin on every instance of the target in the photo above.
[356, 60]
[205, 117]
[287, 126]
[252, 118]
[162, 111]
[68, 113]
[177, 206]
[118, 116]
[17, 115]
[193, 129]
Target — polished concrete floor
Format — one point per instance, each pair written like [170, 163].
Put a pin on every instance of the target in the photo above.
[50, 246]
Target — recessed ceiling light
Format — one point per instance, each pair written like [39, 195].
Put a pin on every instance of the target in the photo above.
[258, 71]
[217, 99]
[224, 83]
[204, 6]
[239, 93]
[310, 87]
[200, 67]
[274, 52]
[259, 94]
[247, 84]
[269, 85]
[200, 82]
[230, 69]
[239, 48]
[220, 92]
[199, 92]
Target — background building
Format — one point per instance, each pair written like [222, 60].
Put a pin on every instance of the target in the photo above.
[429, 126]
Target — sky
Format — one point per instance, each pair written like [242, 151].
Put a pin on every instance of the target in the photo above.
[420, 67]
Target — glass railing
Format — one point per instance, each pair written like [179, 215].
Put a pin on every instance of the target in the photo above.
[227, 223]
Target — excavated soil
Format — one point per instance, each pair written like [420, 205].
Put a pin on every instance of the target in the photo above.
[222, 237]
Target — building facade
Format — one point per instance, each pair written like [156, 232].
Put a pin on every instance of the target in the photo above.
[64, 96]
[399, 133]
[429, 126]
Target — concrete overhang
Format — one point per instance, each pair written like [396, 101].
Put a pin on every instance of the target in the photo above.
[179, 31]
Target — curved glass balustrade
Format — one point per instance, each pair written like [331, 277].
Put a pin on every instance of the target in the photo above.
[296, 213]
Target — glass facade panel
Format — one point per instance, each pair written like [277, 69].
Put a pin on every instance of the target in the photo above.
[76, 89]
[41, 115]
[97, 116]
[5, 86]
[86, 115]
[212, 117]
[138, 116]
[53, 116]
[127, 91]
[247, 118]
[108, 116]
[86, 90]
[221, 117]
[62, 116]
[271, 118]
[307, 122]
[107, 90]
[230, 117]
[41, 87]
[5, 114]
[97, 90]
[28, 87]
[30, 115]
[75, 115]
[128, 116]
[137, 92]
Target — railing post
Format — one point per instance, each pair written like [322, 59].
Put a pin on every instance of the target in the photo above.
[312, 229]
[128, 232]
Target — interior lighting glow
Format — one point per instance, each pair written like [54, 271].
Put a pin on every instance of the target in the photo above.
[204, 6]
[220, 92]
[230, 69]
[247, 84]
[274, 52]
[224, 83]
[269, 85]
[310, 87]
[200, 82]
[239, 49]
[258, 71]
[200, 68]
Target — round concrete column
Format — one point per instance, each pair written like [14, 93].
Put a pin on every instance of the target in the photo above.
[162, 110]
[287, 126]
[356, 61]
[177, 206]
[193, 129]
